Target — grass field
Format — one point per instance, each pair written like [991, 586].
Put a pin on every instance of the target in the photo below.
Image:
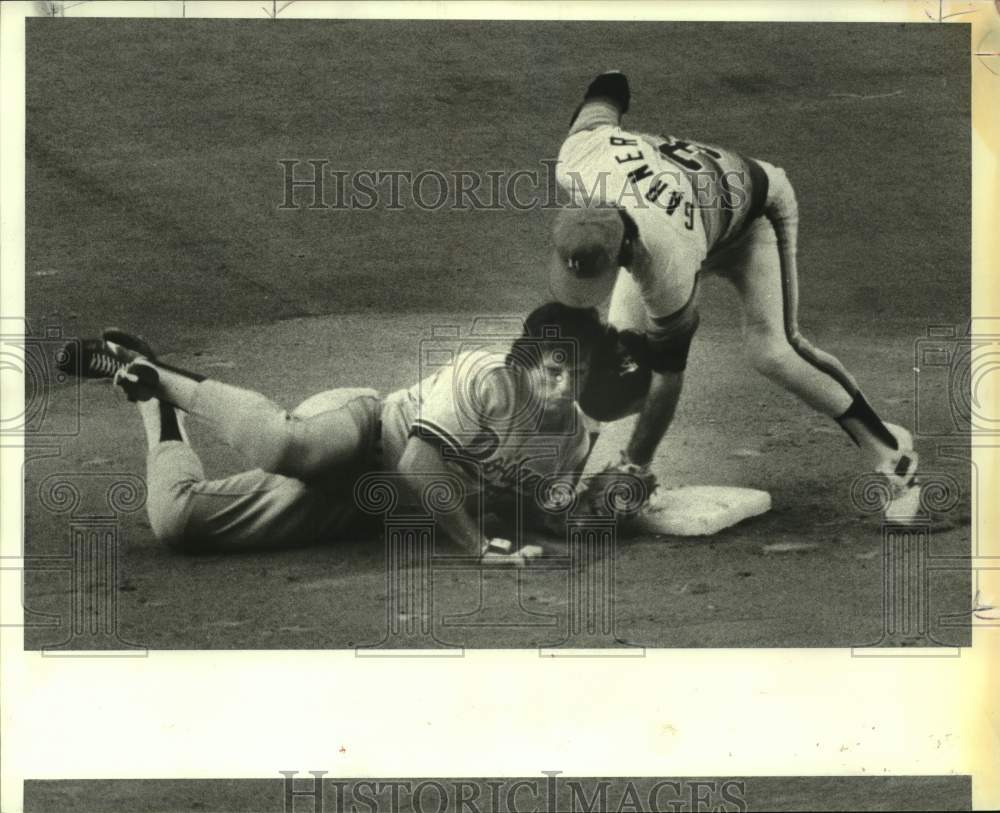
[153, 193]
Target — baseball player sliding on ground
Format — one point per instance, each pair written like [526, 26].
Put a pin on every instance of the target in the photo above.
[649, 215]
[502, 420]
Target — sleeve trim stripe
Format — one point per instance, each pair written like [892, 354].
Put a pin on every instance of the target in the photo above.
[422, 427]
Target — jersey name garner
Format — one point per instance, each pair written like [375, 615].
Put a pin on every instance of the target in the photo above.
[666, 171]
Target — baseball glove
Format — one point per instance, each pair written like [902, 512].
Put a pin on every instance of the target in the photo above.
[619, 376]
[620, 489]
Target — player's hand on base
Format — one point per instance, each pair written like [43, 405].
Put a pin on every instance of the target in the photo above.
[501, 552]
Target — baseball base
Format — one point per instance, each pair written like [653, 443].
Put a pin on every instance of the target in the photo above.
[700, 510]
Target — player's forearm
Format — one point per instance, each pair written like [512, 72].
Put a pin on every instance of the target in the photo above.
[419, 465]
[656, 415]
[463, 530]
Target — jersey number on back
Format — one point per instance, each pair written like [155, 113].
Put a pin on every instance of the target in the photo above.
[683, 153]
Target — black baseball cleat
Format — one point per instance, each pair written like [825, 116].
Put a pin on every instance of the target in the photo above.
[104, 358]
[129, 341]
[95, 358]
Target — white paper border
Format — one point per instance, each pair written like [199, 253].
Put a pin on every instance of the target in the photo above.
[673, 713]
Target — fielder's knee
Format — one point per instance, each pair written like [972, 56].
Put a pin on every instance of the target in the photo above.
[767, 350]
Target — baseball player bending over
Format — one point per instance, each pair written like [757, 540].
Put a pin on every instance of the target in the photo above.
[650, 214]
[501, 420]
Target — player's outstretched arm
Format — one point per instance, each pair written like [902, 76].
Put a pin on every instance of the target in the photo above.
[671, 300]
[666, 354]
[422, 460]
[656, 416]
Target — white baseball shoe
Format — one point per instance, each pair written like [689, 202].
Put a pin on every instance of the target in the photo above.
[900, 470]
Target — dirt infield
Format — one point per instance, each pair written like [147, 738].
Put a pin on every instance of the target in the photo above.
[153, 195]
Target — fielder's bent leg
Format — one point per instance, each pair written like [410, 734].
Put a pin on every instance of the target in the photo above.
[772, 340]
[761, 265]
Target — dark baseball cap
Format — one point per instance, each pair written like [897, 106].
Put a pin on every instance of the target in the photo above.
[588, 241]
